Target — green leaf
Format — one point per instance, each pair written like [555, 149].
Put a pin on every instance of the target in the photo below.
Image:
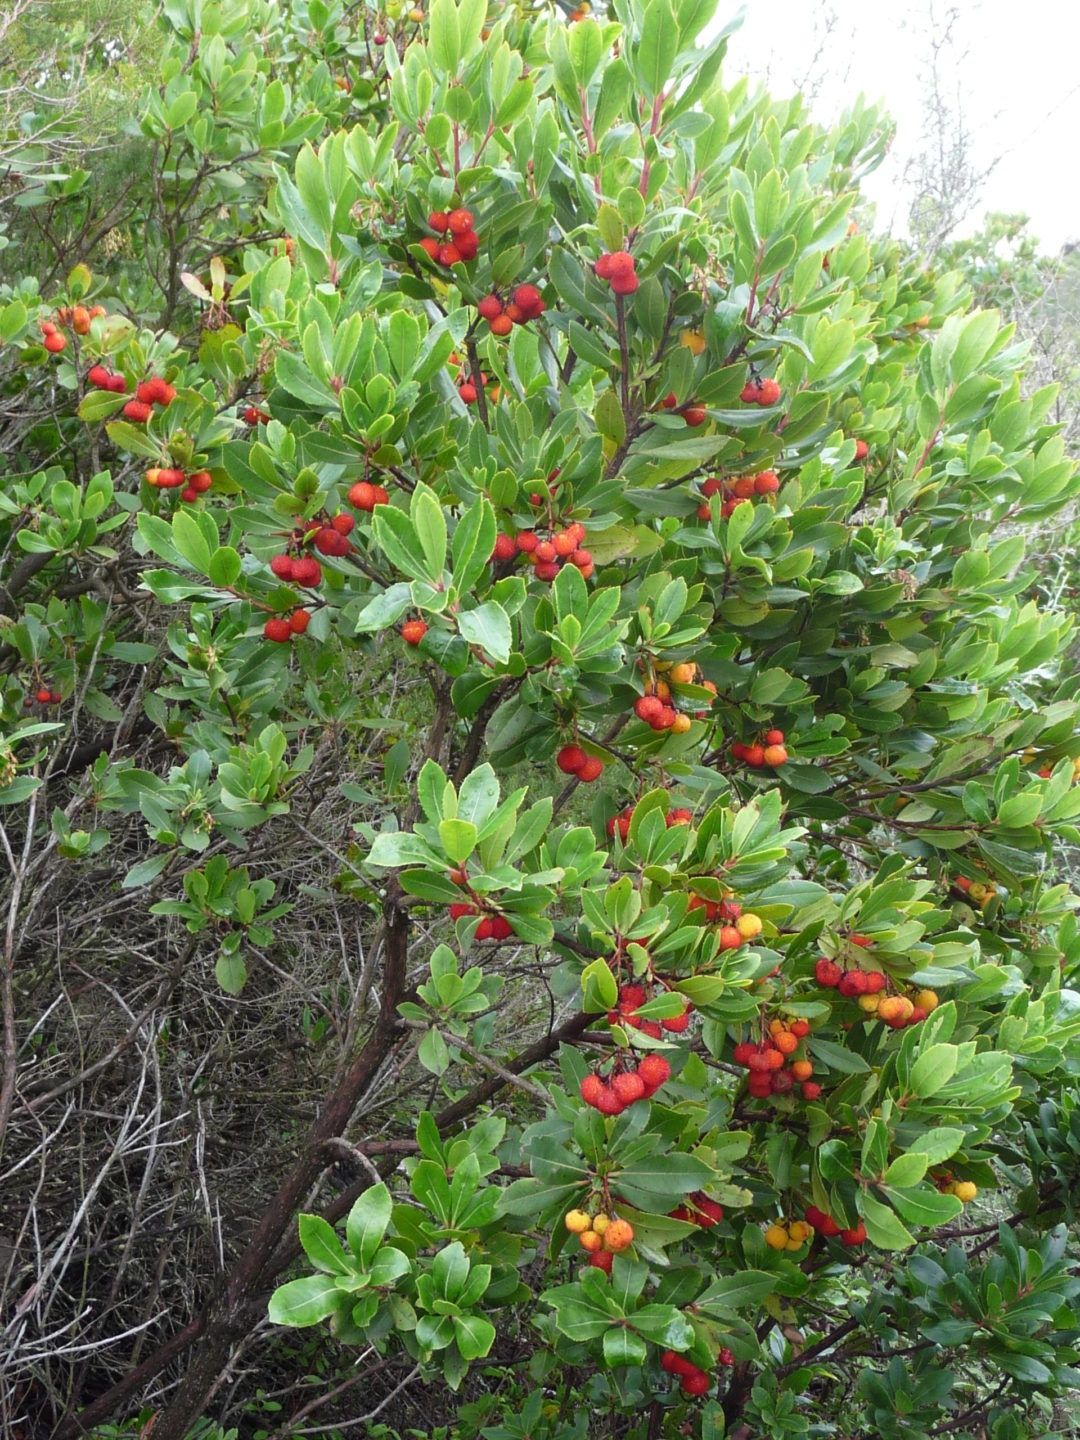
[304, 1302]
[933, 1070]
[458, 839]
[322, 1246]
[474, 1335]
[906, 1169]
[231, 973]
[430, 524]
[224, 565]
[882, 1226]
[191, 542]
[728, 1293]
[444, 35]
[367, 1223]
[598, 986]
[623, 1347]
[488, 626]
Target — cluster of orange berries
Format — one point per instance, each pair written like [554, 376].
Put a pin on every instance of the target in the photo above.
[603, 1236]
[866, 986]
[770, 1074]
[655, 707]
[463, 243]
[617, 268]
[980, 892]
[760, 392]
[548, 555]
[621, 821]
[627, 1086]
[149, 393]
[631, 998]
[788, 1234]
[572, 760]
[525, 304]
[77, 317]
[826, 1226]
[169, 478]
[102, 378]
[769, 751]
[736, 927]
[738, 491]
[491, 927]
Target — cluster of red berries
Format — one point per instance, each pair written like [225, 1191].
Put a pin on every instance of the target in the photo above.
[364, 496]
[659, 715]
[413, 631]
[302, 570]
[769, 751]
[548, 556]
[621, 821]
[825, 1225]
[469, 387]
[280, 630]
[102, 378]
[692, 1379]
[760, 392]
[851, 983]
[692, 412]
[44, 696]
[698, 1209]
[617, 268]
[464, 242]
[626, 1086]
[524, 305]
[149, 393]
[737, 927]
[491, 927]
[53, 341]
[332, 539]
[254, 416]
[169, 478]
[572, 760]
[631, 998]
[767, 1062]
[738, 491]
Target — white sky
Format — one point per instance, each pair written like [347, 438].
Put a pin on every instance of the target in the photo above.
[1013, 68]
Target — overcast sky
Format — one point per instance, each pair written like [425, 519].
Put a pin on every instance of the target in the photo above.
[1011, 68]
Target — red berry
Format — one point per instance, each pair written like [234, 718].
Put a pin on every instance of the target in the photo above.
[695, 415]
[505, 548]
[485, 930]
[754, 756]
[608, 1103]
[855, 1236]
[413, 631]
[118, 385]
[449, 255]
[750, 393]
[570, 759]
[459, 221]
[54, 343]
[602, 1260]
[811, 1090]
[768, 392]
[828, 973]
[343, 524]
[467, 393]
[648, 708]
[742, 1052]
[696, 1383]
[654, 1071]
[307, 571]
[490, 307]
[44, 697]
[329, 541]
[527, 542]
[628, 1086]
[430, 245]
[529, 300]
[591, 770]
[460, 910]
[862, 449]
[591, 1089]
[282, 566]
[299, 620]
[97, 375]
[467, 244]
[676, 1024]
[773, 737]
[501, 325]
[800, 1028]
[137, 411]
[439, 221]
[674, 1364]
[277, 630]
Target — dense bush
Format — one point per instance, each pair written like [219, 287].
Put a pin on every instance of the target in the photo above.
[526, 732]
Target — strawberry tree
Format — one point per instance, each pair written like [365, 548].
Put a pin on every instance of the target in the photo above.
[545, 442]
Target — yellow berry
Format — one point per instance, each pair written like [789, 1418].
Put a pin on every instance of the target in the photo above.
[776, 1026]
[590, 1241]
[600, 1223]
[692, 340]
[965, 1190]
[749, 925]
[793, 1245]
[927, 1000]
[776, 1237]
[576, 1221]
[869, 1003]
[680, 725]
[683, 673]
[978, 892]
[799, 1230]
